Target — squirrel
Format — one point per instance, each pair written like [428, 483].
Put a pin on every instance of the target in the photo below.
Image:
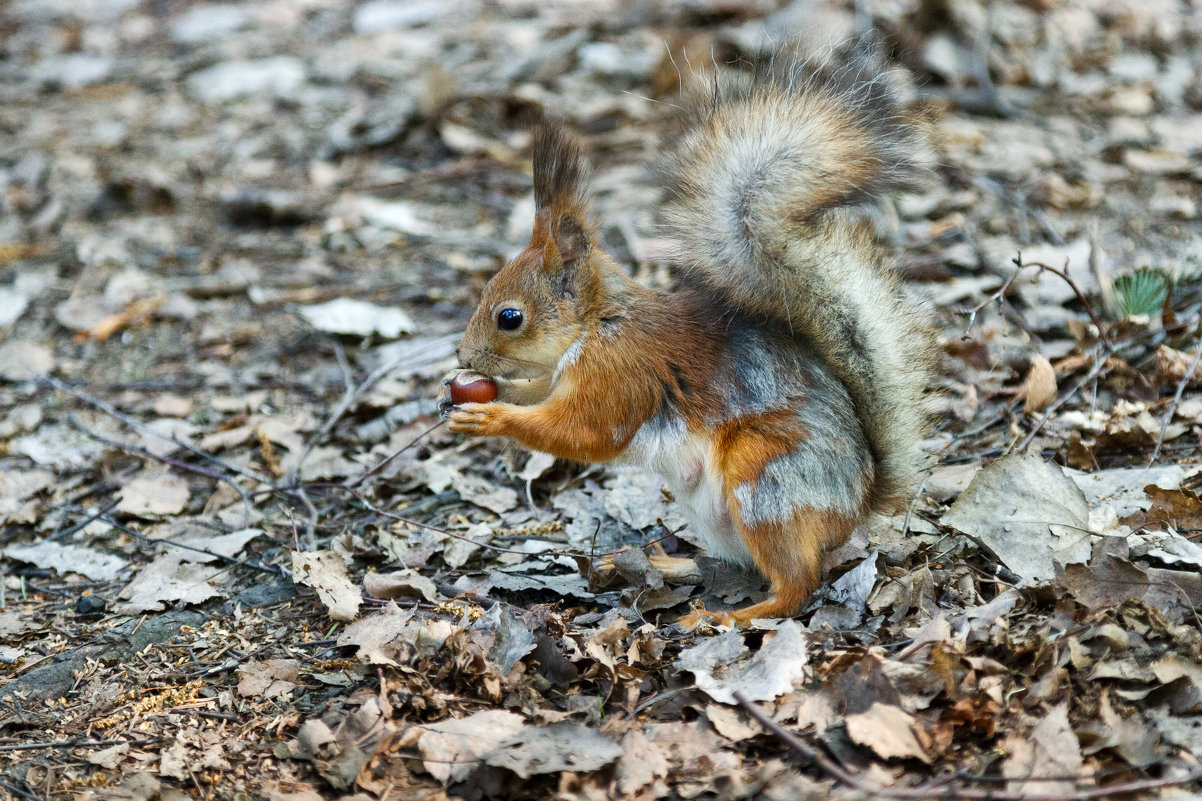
[781, 390]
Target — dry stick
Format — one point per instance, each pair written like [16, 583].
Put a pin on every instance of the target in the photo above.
[56, 744]
[1164, 423]
[348, 397]
[401, 519]
[379, 465]
[229, 560]
[1099, 363]
[138, 450]
[14, 789]
[139, 426]
[975, 310]
[82, 524]
[1019, 266]
[1063, 274]
[937, 789]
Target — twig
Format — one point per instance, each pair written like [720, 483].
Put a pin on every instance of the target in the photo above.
[69, 530]
[229, 560]
[975, 310]
[400, 519]
[138, 450]
[938, 789]
[487, 546]
[1098, 364]
[1168, 415]
[311, 523]
[55, 744]
[1063, 274]
[14, 789]
[348, 397]
[379, 465]
[914, 503]
[139, 426]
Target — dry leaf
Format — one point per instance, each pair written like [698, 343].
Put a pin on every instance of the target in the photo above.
[1039, 389]
[325, 572]
[1028, 513]
[358, 318]
[888, 730]
[719, 669]
[161, 494]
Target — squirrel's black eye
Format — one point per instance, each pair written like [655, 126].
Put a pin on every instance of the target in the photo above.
[509, 320]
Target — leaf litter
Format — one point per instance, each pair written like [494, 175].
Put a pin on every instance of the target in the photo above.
[238, 246]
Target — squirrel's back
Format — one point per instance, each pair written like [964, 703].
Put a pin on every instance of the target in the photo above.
[764, 170]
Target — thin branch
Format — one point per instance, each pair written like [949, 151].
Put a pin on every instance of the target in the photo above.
[69, 530]
[348, 397]
[351, 482]
[229, 560]
[975, 310]
[56, 744]
[141, 427]
[1063, 274]
[1168, 415]
[939, 788]
[138, 450]
[487, 546]
[1098, 364]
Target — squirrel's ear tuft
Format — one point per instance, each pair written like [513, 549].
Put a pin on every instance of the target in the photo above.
[561, 172]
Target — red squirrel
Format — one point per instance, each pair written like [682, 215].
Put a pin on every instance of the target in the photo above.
[781, 390]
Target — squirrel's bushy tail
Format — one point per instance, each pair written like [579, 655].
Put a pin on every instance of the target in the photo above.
[763, 170]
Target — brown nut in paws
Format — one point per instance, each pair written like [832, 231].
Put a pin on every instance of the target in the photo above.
[473, 388]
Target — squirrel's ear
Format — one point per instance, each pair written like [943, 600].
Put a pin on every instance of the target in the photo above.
[566, 253]
[571, 239]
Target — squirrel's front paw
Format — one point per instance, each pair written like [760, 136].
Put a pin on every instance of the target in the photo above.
[445, 404]
[476, 419]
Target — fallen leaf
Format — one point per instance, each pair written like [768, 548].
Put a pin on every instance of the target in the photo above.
[325, 572]
[269, 679]
[888, 730]
[22, 360]
[153, 495]
[452, 748]
[719, 669]
[641, 763]
[549, 749]
[405, 584]
[358, 318]
[1051, 749]
[65, 559]
[1039, 389]
[172, 578]
[1027, 512]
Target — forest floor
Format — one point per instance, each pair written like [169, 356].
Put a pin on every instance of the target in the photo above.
[237, 245]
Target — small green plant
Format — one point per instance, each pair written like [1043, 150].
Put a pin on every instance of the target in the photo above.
[1141, 293]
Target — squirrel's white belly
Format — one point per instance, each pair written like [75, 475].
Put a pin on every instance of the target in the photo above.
[686, 462]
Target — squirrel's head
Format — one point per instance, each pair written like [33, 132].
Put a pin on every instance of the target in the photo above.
[539, 303]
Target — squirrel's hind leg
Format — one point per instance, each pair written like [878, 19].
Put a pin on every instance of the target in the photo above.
[790, 555]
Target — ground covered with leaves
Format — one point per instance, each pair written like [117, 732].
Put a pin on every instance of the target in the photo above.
[237, 244]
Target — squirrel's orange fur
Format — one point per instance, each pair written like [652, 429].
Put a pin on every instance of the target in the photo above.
[780, 391]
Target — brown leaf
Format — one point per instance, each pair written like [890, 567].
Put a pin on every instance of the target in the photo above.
[1039, 389]
[1051, 749]
[888, 730]
[162, 494]
[268, 679]
[325, 572]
